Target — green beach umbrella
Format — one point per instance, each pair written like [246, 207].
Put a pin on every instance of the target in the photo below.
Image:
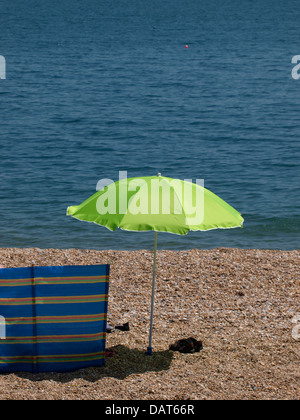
[159, 204]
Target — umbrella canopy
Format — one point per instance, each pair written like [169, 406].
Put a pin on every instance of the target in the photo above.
[157, 203]
[160, 204]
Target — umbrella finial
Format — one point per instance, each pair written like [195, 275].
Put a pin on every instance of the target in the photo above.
[159, 174]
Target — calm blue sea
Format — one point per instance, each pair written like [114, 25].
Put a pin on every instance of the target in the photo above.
[96, 87]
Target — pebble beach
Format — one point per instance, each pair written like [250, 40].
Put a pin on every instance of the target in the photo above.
[241, 303]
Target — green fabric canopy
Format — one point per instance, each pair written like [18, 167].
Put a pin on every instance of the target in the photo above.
[157, 203]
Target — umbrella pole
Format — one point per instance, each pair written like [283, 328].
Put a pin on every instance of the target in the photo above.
[149, 348]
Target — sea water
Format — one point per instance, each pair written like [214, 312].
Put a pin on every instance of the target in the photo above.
[193, 90]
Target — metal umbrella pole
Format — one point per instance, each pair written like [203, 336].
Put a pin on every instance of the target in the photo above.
[149, 348]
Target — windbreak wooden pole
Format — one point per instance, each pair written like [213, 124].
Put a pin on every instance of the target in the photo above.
[149, 348]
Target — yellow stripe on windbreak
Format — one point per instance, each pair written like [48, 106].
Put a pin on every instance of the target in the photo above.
[54, 280]
[56, 319]
[50, 300]
[40, 339]
[53, 358]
